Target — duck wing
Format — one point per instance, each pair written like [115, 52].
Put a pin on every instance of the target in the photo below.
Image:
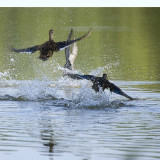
[87, 77]
[66, 44]
[26, 50]
[117, 90]
[67, 52]
[79, 76]
[70, 35]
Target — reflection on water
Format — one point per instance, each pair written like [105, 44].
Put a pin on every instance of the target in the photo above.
[44, 116]
[81, 133]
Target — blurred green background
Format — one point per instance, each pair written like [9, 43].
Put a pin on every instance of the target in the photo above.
[124, 42]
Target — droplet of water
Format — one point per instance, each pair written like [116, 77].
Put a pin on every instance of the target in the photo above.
[12, 60]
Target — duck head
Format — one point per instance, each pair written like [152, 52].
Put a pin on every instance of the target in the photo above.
[104, 76]
[51, 34]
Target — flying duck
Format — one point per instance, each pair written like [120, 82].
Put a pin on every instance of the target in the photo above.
[47, 48]
[100, 82]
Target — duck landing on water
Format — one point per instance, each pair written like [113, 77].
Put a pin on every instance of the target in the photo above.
[98, 82]
[47, 48]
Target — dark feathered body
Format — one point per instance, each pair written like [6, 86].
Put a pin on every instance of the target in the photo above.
[100, 82]
[46, 49]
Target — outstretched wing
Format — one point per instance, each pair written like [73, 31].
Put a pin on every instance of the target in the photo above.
[65, 44]
[117, 90]
[62, 45]
[70, 35]
[87, 77]
[26, 50]
[67, 52]
[78, 76]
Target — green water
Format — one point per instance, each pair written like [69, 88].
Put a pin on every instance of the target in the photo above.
[126, 39]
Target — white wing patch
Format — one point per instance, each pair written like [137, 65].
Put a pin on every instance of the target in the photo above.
[25, 52]
[65, 47]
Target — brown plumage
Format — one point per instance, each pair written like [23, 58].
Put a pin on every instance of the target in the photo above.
[100, 82]
[46, 49]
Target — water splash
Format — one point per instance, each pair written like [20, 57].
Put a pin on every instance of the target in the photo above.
[5, 75]
[72, 93]
[107, 68]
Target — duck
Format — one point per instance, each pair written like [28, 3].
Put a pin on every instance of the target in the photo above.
[47, 48]
[100, 82]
